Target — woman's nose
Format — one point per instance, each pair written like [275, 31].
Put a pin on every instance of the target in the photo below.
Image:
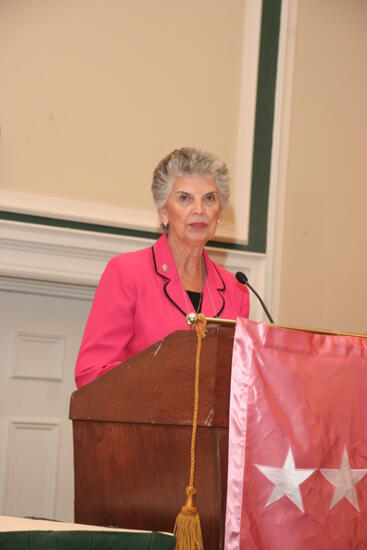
[198, 207]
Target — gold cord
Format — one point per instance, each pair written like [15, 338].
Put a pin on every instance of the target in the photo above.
[200, 327]
[187, 527]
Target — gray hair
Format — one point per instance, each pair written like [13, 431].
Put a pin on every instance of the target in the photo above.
[189, 161]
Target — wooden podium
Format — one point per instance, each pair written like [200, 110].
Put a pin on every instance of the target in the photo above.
[132, 433]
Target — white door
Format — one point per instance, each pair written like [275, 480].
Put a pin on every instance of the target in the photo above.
[41, 327]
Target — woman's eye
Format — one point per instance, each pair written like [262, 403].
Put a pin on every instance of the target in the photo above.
[211, 198]
[185, 199]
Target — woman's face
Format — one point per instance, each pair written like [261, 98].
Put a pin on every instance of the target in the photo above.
[192, 210]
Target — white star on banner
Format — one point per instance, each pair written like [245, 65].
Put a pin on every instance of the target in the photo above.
[344, 480]
[287, 480]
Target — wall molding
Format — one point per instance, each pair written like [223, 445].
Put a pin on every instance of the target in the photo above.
[241, 198]
[147, 220]
[60, 255]
[279, 164]
[46, 288]
[38, 355]
[48, 426]
[73, 210]
[58, 261]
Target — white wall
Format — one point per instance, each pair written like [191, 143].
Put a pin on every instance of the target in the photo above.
[324, 262]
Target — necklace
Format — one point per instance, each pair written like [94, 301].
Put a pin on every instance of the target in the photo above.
[201, 293]
[209, 291]
[205, 283]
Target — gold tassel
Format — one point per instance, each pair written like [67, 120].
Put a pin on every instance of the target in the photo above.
[187, 527]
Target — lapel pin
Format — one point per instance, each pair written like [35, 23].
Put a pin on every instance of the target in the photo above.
[165, 267]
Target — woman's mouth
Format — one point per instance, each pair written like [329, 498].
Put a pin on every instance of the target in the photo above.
[198, 225]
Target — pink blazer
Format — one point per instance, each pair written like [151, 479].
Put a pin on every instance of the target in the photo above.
[140, 300]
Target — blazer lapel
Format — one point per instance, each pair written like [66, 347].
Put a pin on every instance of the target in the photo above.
[164, 264]
[165, 267]
[213, 295]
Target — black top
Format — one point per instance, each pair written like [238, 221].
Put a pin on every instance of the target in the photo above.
[195, 298]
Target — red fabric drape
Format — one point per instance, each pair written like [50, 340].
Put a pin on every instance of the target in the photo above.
[297, 476]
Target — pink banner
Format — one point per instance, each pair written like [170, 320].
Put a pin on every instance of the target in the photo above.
[297, 472]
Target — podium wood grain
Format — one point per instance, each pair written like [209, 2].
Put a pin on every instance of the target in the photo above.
[132, 433]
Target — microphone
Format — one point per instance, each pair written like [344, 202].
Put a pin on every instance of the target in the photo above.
[242, 278]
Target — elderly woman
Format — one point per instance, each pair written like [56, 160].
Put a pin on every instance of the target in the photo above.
[145, 295]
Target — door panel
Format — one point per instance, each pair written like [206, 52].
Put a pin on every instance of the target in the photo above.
[40, 334]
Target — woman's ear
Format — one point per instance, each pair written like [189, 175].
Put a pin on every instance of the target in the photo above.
[163, 217]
